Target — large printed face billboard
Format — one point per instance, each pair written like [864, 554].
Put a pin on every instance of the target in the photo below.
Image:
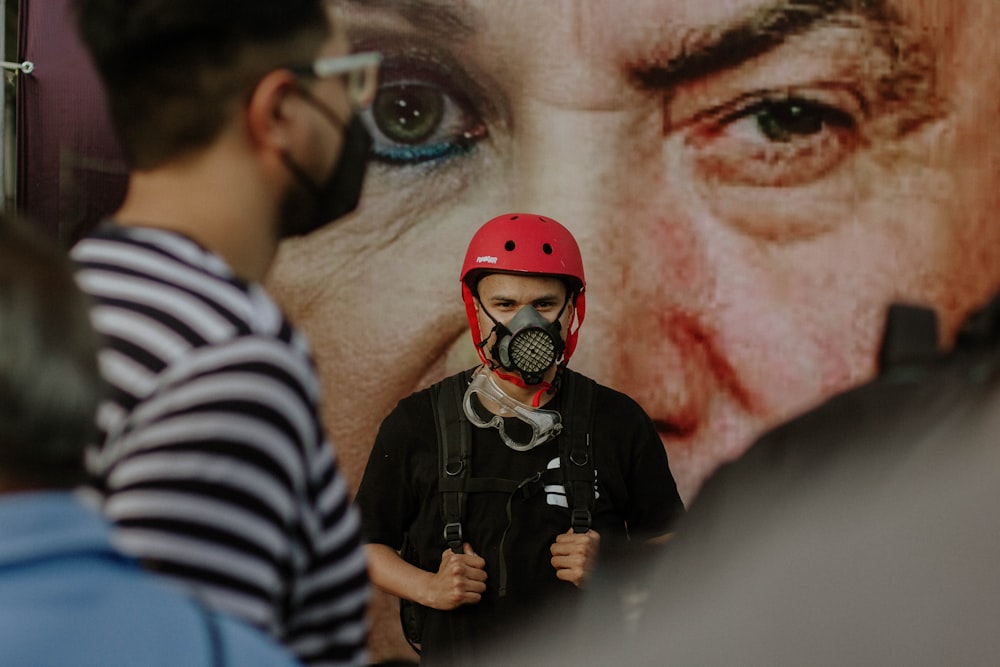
[751, 183]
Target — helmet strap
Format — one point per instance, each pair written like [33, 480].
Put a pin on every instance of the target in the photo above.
[543, 386]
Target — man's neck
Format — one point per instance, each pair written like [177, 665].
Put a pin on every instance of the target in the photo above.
[526, 395]
[216, 199]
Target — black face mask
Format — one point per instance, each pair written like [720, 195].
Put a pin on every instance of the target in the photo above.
[340, 193]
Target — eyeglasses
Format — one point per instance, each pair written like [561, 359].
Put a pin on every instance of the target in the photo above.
[358, 70]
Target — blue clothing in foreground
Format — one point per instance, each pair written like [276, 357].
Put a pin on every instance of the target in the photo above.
[68, 598]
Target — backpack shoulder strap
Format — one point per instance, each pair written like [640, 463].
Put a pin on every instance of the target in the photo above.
[453, 434]
[576, 452]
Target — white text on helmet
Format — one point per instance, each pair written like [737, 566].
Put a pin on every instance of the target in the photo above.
[487, 259]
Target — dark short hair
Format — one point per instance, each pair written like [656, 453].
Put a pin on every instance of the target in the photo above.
[175, 72]
[50, 385]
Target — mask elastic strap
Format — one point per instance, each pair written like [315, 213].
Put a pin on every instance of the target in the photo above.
[481, 345]
[300, 175]
[555, 323]
[494, 320]
[298, 172]
[321, 106]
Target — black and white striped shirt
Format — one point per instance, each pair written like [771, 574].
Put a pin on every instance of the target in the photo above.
[214, 464]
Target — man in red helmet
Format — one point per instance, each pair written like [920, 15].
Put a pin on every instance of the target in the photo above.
[493, 489]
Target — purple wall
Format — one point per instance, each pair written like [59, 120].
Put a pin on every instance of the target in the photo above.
[69, 170]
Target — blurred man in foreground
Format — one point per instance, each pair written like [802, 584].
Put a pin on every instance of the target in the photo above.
[66, 596]
[240, 125]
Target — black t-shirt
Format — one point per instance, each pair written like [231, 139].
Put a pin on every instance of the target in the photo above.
[636, 498]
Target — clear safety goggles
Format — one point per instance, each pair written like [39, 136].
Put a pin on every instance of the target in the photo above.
[358, 71]
[543, 424]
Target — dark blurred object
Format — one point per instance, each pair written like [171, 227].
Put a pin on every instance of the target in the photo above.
[863, 532]
[70, 173]
[981, 330]
[910, 337]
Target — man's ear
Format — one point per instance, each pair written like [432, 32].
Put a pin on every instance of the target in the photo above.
[269, 110]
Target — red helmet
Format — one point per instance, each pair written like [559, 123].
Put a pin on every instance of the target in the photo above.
[530, 244]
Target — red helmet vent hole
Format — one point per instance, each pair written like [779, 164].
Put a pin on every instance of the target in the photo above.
[509, 246]
[546, 248]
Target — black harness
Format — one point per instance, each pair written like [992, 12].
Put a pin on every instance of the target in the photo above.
[455, 433]
[455, 480]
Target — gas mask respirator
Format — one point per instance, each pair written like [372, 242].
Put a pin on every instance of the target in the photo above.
[529, 344]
